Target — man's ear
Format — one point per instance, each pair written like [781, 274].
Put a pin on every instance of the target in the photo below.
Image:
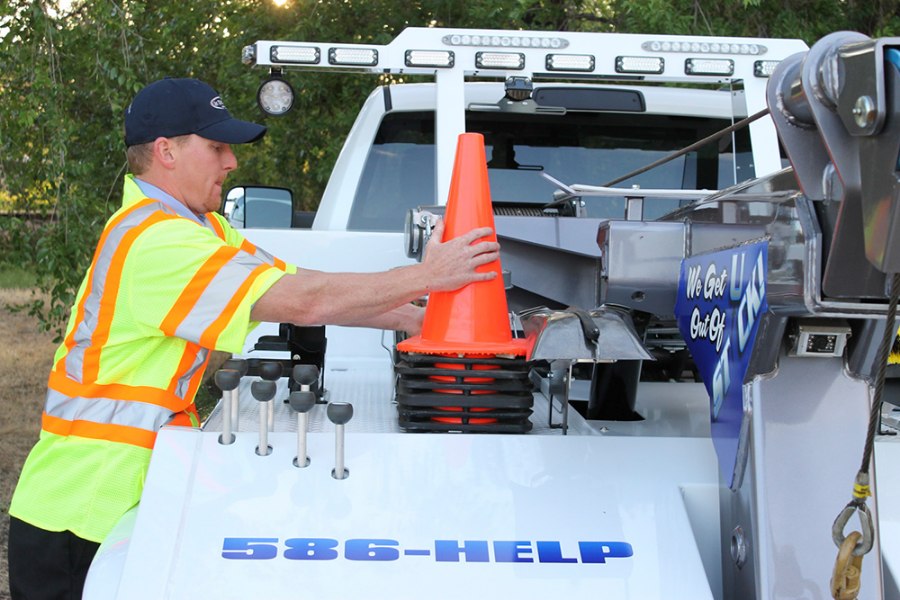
[163, 152]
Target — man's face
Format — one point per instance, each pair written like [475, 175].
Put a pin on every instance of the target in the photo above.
[201, 168]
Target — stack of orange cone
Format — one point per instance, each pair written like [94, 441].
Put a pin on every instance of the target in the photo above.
[473, 321]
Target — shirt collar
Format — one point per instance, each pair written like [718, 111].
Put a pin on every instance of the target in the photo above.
[151, 191]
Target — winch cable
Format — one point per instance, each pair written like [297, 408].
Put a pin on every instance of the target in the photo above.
[698, 144]
[845, 581]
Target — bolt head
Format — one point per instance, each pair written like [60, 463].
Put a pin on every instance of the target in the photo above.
[864, 112]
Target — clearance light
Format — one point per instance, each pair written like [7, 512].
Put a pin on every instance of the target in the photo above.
[500, 60]
[248, 55]
[570, 62]
[709, 66]
[704, 47]
[765, 68]
[430, 58]
[366, 57]
[297, 55]
[505, 41]
[640, 64]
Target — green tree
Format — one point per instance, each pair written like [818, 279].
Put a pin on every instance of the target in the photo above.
[68, 73]
[808, 20]
[67, 80]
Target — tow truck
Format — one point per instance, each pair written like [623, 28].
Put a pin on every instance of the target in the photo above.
[706, 317]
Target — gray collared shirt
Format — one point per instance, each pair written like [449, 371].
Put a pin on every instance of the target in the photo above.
[151, 191]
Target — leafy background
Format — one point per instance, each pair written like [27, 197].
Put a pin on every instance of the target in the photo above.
[69, 68]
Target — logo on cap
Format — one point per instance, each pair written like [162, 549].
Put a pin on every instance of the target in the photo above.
[217, 103]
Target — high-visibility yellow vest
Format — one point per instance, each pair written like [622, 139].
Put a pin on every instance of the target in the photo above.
[161, 292]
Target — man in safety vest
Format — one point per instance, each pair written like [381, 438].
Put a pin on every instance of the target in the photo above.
[170, 281]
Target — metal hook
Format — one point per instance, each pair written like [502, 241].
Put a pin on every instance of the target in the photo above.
[865, 520]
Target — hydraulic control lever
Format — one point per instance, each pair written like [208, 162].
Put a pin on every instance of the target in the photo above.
[340, 414]
[240, 365]
[228, 381]
[263, 391]
[302, 401]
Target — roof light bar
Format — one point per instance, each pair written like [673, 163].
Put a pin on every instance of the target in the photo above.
[570, 62]
[505, 41]
[500, 60]
[430, 58]
[709, 66]
[297, 55]
[704, 47]
[765, 68]
[640, 64]
[366, 57]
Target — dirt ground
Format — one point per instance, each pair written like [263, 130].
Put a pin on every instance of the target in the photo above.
[25, 358]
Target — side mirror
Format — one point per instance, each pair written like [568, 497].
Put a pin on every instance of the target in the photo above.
[260, 207]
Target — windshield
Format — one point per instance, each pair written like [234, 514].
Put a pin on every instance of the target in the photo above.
[585, 148]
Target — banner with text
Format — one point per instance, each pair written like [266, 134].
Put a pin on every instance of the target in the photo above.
[721, 296]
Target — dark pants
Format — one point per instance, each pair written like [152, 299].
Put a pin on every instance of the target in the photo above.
[47, 564]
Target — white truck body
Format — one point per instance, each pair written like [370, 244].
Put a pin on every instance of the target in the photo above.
[637, 509]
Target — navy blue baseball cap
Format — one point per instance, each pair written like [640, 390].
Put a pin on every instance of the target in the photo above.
[173, 107]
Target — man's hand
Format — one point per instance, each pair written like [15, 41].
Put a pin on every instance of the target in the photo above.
[452, 264]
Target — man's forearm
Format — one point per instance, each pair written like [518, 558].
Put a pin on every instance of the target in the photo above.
[406, 318]
[316, 298]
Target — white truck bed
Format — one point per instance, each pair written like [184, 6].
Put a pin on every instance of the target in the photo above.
[419, 498]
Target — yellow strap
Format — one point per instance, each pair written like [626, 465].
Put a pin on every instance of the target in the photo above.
[847, 569]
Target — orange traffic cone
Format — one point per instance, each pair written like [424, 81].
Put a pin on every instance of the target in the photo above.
[473, 320]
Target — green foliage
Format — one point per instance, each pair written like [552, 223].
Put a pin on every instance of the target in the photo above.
[808, 20]
[69, 73]
[14, 277]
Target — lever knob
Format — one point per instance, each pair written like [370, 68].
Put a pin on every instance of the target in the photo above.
[307, 375]
[227, 379]
[236, 364]
[302, 401]
[263, 390]
[339, 413]
[270, 371]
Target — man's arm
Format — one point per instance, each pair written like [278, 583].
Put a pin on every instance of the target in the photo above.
[318, 298]
[406, 318]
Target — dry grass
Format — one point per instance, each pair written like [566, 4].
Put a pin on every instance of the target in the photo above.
[26, 354]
